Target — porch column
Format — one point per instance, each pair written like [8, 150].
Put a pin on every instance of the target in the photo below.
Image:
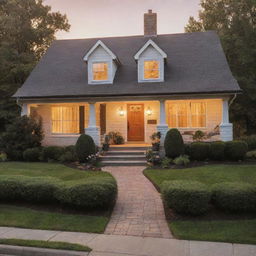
[93, 130]
[162, 127]
[226, 128]
[25, 110]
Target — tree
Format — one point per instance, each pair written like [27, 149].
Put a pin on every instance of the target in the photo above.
[27, 28]
[235, 22]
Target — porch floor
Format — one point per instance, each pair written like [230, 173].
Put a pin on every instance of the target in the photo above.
[132, 145]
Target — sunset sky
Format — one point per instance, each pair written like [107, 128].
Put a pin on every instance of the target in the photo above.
[100, 18]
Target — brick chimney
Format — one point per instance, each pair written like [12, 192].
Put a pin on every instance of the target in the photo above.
[150, 24]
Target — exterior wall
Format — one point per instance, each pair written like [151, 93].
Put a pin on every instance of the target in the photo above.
[50, 139]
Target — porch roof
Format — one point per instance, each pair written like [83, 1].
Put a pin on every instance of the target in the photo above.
[195, 64]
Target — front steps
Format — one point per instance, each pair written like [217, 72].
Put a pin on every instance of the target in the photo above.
[125, 156]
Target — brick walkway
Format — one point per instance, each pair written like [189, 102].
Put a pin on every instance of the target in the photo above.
[139, 210]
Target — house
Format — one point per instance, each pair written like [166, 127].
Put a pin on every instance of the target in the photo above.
[135, 85]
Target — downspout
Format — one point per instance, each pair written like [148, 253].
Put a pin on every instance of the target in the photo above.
[232, 100]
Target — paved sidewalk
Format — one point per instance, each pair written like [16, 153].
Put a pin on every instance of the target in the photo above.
[116, 245]
[139, 209]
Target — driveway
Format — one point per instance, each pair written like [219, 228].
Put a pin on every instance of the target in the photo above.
[139, 209]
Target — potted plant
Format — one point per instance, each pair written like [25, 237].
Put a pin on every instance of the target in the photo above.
[155, 138]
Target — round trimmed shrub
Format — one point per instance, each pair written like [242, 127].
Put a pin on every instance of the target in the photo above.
[89, 194]
[85, 147]
[173, 144]
[234, 197]
[186, 197]
[236, 150]
[199, 151]
[217, 150]
[52, 153]
[32, 154]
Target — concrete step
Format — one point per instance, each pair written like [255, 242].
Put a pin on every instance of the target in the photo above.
[123, 157]
[126, 152]
[124, 163]
[128, 148]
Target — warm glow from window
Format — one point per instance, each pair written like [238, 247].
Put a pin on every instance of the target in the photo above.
[100, 71]
[65, 119]
[187, 115]
[151, 69]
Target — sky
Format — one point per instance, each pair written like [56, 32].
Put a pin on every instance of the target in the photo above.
[103, 18]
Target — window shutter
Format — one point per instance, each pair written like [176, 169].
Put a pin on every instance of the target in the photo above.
[102, 119]
[81, 119]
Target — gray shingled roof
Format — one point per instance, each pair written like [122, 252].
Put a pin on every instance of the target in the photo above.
[196, 64]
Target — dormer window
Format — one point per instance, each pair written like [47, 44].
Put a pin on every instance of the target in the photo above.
[151, 69]
[100, 71]
[151, 59]
[102, 64]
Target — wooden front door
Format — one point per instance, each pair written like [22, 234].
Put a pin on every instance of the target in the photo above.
[135, 125]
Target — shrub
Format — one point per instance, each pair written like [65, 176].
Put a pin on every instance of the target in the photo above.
[251, 142]
[89, 194]
[217, 150]
[173, 144]
[165, 162]
[182, 160]
[3, 157]
[234, 197]
[31, 154]
[251, 154]
[187, 148]
[236, 150]
[85, 147]
[186, 197]
[52, 153]
[24, 132]
[199, 151]
[115, 138]
[198, 136]
[67, 157]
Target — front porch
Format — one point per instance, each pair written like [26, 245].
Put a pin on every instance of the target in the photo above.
[135, 120]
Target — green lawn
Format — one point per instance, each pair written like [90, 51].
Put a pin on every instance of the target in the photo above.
[25, 217]
[232, 231]
[235, 231]
[46, 244]
[209, 174]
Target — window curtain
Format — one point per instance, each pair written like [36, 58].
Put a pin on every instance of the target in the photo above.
[65, 119]
[198, 114]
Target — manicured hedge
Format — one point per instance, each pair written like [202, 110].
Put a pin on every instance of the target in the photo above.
[199, 151]
[236, 150]
[91, 193]
[217, 150]
[52, 153]
[234, 197]
[186, 197]
[173, 144]
[32, 154]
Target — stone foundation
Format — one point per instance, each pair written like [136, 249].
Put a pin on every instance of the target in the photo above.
[94, 132]
[226, 132]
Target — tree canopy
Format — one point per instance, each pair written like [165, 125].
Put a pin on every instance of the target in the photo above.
[27, 28]
[235, 23]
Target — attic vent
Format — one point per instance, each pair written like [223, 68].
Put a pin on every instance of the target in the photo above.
[150, 24]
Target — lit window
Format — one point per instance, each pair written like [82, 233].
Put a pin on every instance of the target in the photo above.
[187, 115]
[65, 119]
[100, 71]
[151, 69]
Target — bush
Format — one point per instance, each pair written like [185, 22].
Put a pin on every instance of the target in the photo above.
[32, 154]
[85, 147]
[24, 132]
[3, 157]
[69, 155]
[251, 142]
[52, 153]
[89, 194]
[165, 162]
[182, 160]
[173, 144]
[115, 138]
[234, 197]
[199, 151]
[186, 197]
[236, 150]
[217, 150]
[27, 189]
[251, 154]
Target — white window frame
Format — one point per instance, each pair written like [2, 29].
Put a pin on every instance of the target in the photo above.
[189, 115]
[90, 72]
[60, 133]
[141, 70]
